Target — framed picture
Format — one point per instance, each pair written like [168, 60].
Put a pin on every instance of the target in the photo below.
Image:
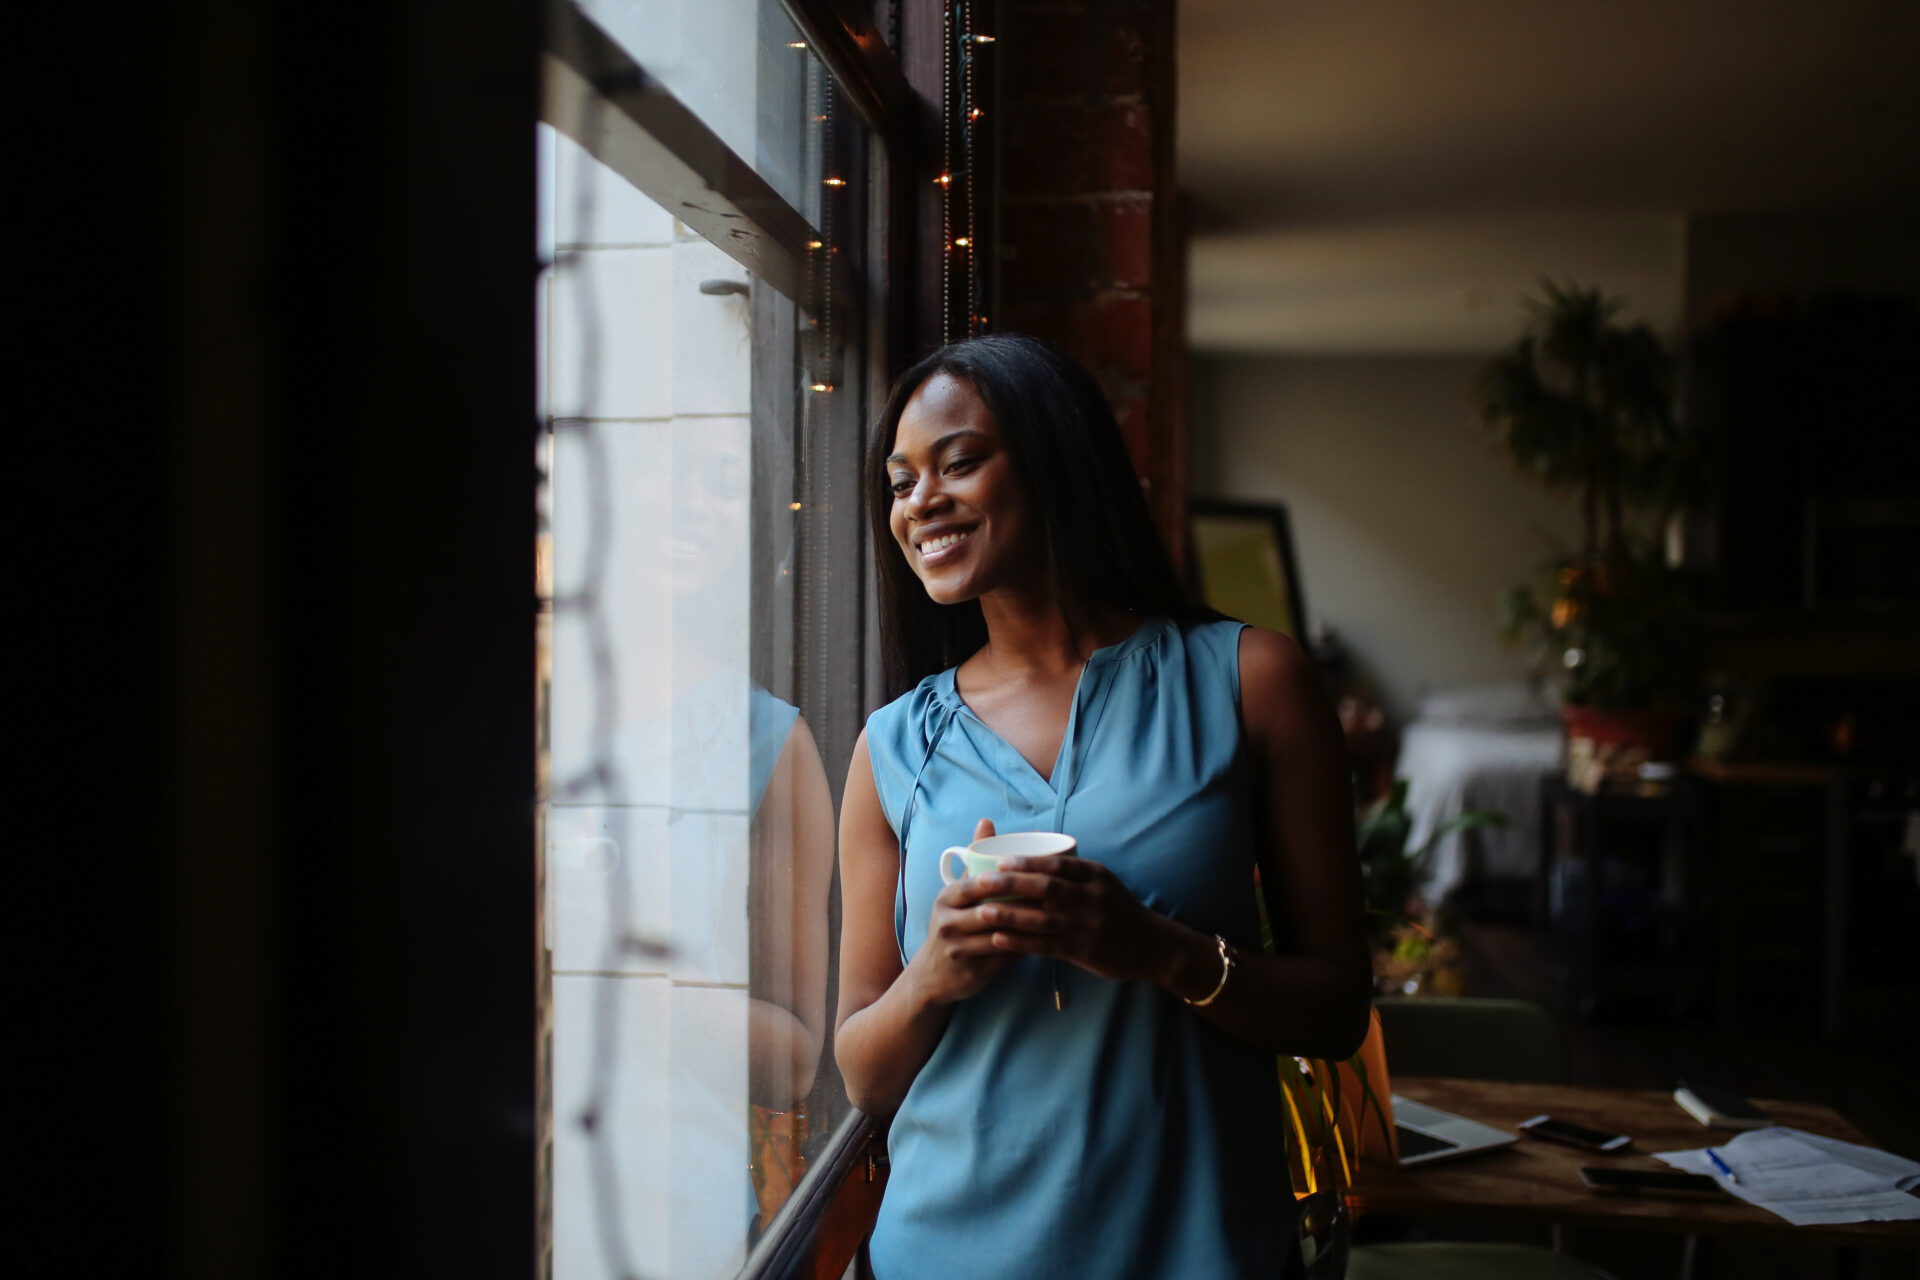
[1243, 563]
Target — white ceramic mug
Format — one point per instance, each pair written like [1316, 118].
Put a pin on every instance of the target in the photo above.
[983, 856]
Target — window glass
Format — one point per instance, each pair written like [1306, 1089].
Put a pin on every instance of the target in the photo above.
[738, 64]
[702, 662]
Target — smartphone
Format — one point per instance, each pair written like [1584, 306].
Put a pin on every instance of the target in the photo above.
[1573, 1135]
[1630, 1182]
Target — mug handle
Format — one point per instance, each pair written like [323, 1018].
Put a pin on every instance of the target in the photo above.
[956, 851]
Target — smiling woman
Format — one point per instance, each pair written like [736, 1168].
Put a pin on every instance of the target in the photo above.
[1078, 1048]
[1016, 402]
[959, 507]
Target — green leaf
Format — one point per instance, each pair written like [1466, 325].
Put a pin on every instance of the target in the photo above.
[1465, 820]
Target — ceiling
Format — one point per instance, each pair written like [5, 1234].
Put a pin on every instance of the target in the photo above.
[1390, 175]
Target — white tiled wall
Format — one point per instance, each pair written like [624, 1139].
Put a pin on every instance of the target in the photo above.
[634, 462]
[608, 355]
[686, 878]
[710, 347]
[667, 396]
[592, 206]
[671, 1189]
[672, 553]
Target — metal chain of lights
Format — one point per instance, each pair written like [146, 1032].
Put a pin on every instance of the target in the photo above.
[816, 435]
[962, 45]
[819, 375]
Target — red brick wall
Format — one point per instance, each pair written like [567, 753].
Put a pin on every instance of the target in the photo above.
[1091, 255]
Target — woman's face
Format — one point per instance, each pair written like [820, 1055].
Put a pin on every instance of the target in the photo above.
[961, 514]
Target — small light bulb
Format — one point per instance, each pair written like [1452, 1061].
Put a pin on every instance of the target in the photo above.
[963, 242]
[983, 39]
[943, 180]
[977, 113]
[822, 386]
[796, 44]
[814, 244]
[793, 506]
[836, 182]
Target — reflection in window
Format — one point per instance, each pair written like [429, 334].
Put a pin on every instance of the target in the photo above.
[703, 662]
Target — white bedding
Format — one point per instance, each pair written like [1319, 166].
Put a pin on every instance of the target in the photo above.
[1481, 748]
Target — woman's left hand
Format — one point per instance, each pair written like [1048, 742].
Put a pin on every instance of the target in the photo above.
[1078, 911]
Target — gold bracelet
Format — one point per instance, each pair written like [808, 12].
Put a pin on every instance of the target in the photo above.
[1226, 968]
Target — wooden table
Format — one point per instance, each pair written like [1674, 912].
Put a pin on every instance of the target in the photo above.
[1540, 1181]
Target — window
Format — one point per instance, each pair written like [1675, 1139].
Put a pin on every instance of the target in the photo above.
[710, 304]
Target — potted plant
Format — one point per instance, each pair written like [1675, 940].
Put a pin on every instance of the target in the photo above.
[1584, 403]
[1409, 955]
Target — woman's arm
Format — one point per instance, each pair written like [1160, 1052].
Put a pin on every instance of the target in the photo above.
[792, 840]
[1312, 998]
[891, 1018]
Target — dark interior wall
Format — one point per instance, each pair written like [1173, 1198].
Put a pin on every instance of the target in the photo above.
[277, 967]
[1805, 334]
[82, 1124]
[1799, 253]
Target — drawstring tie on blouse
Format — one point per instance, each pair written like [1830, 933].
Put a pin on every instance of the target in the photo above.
[906, 827]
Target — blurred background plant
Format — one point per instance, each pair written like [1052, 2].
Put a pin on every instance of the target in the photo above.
[1392, 876]
[1585, 404]
[1418, 962]
[1626, 633]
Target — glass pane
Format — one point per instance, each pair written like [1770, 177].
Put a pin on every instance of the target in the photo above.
[740, 65]
[704, 665]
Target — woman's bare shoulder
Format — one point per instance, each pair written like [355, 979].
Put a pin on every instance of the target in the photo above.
[1279, 684]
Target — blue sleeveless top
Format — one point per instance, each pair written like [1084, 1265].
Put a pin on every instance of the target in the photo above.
[1123, 1137]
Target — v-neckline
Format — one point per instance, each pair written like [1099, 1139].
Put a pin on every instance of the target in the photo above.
[1063, 756]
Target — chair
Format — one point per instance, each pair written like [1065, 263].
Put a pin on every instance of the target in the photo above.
[1477, 1039]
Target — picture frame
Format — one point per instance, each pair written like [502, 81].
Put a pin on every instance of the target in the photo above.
[1244, 565]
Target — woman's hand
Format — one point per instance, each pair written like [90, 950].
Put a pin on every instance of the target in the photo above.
[1079, 912]
[958, 958]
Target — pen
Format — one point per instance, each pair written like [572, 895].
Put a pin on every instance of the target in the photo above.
[1721, 1165]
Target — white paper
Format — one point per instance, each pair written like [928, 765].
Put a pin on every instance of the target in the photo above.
[1808, 1179]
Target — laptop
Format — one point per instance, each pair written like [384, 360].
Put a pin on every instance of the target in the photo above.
[1427, 1133]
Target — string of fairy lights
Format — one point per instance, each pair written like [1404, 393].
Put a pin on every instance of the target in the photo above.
[820, 251]
[962, 47]
[814, 453]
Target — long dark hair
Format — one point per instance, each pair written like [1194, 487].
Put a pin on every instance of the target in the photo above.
[1060, 433]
